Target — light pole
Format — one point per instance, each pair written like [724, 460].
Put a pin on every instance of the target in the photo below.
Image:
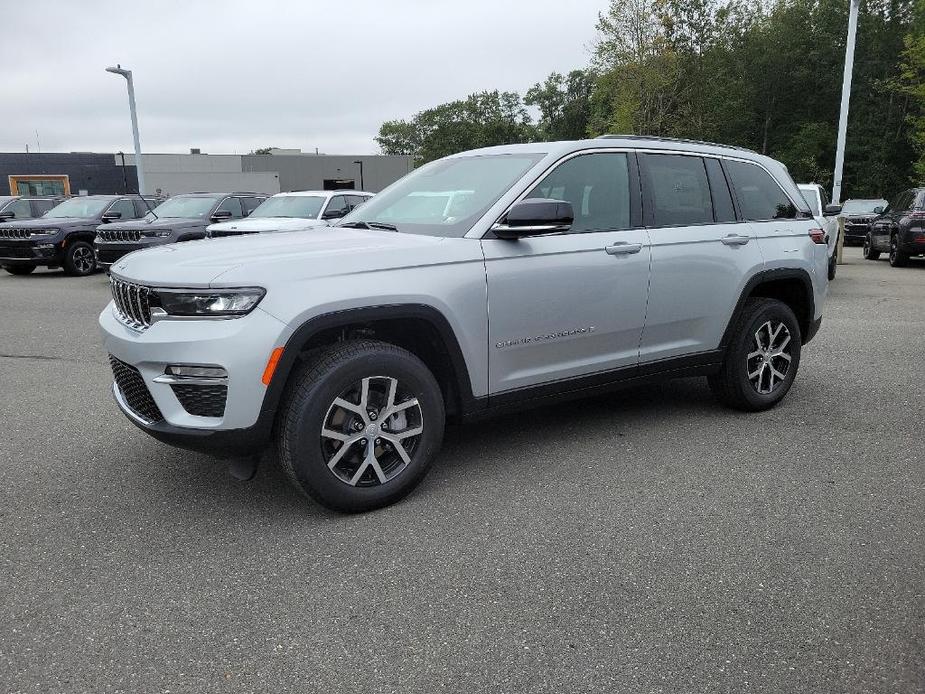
[139, 169]
[360, 162]
[845, 99]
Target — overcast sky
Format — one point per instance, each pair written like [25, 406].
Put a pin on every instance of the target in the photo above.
[232, 76]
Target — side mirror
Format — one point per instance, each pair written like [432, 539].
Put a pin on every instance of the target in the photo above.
[221, 215]
[111, 216]
[9, 214]
[535, 217]
[831, 211]
[878, 209]
[334, 214]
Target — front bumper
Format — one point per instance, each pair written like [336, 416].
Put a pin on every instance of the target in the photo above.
[29, 253]
[856, 232]
[241, 346]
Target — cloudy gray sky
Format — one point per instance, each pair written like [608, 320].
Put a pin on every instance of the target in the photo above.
[231, 76]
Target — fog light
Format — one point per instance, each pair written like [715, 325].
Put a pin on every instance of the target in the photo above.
[43, 246]
[197, 371]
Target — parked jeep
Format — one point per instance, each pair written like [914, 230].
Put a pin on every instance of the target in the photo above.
[180, 218]
[858, 215]
[13, 207]
[899, 229]
[560, 269]
[63, 236]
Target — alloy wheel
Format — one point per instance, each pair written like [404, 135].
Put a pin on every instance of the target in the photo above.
[768, 364]
[84, 262]
[370, 431]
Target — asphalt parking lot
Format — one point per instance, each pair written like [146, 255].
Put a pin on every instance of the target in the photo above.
[647, 541]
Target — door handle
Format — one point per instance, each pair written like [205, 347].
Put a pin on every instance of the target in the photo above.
[623, 248]
[735, 240]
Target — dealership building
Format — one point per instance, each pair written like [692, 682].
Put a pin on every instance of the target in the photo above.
[89, 173]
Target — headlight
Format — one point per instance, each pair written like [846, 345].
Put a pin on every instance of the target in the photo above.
[206, 302]
[160, 234]
[43, 232]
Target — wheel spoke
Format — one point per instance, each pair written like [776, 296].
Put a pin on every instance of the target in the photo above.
[407, 433]
[775, 372]
[357, 409]
[400, 407]
[784, 343]
[756, 374]
[390, 399]
[783, 355]
[364, 395]
[756, 353]
[399, 448]
[339, 454]
[336, 435]
[774, 334]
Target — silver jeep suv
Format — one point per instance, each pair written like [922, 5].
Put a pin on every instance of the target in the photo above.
[497, 278]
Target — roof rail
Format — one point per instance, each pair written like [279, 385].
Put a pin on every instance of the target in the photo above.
[610, 136]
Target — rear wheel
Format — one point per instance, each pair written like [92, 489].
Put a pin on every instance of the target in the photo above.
[19, 269]
[869, 252]
[763, 357]
[897, 257]
[79, 260]
[360, 425]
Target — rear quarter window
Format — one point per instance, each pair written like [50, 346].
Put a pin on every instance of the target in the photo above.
[759, 195]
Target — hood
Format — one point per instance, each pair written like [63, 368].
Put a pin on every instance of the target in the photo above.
[159, 223]
[268, 224]
[268, 259]
[49, 223]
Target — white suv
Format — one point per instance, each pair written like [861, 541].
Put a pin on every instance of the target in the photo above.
[559, 269]
[295, 211]
[826, 216]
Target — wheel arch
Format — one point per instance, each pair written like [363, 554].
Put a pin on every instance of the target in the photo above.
[793, 286]
[422, 330]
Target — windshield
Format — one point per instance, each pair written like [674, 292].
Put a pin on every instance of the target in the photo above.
[445, 197]
[811, 196]
[303, 206]
[861, 206]
[80, 208]
[180, 207]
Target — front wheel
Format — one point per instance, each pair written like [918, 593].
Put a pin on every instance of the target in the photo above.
[762, 358]
[360, 425]
[897, 257]
[79, 260]
[869, 252]
[19, 269]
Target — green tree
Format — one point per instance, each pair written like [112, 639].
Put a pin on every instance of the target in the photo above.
[564, 103]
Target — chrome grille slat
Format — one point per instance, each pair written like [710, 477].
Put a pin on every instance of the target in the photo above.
[15, 234]
[133, 303]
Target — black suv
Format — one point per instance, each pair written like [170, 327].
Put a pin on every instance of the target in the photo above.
[899, 229]
[63, 236]
[22, 207]
[858, 215]
[181, 218]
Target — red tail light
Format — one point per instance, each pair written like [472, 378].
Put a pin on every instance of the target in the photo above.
[817, 235]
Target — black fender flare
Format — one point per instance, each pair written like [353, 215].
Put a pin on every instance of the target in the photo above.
[294, 347]
[765, 276]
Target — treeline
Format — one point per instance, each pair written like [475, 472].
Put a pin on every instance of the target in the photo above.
[763, 74]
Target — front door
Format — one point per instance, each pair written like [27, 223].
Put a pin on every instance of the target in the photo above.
[571, 304]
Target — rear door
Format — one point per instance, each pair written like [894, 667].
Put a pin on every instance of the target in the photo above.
[701, 254]
[572, 304]
[884, 224]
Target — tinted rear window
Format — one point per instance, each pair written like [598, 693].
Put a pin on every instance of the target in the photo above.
[679, 192]
[760, 197]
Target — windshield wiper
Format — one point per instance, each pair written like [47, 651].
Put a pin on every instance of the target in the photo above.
[369, 225]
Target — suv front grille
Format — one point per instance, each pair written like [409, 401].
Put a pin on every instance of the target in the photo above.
[134, 391]
[133, 302]
[109, 235]
[15, 233]
[201, 400]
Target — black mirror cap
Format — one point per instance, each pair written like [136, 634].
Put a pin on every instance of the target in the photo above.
[535, 217]
[334, 214]
[110, 216]
[878, 209]
[831, 210]
[7, 215]
[220, 215]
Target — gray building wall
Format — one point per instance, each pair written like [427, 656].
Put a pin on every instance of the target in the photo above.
[309, 171]
[187, 173]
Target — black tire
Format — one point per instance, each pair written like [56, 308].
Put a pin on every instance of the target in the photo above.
[328, 375]
[897, 257]
[833, 266]
[869, 252]
[77, 262]
[19, 269]
[732, 386]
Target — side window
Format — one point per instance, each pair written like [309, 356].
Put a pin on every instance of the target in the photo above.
[760, 197]
[21, 208]
[141, 208]
[42, 206]
[677, 190]
[232, 205]
[336, 208]
[250, 204]
[355, 200]
[723, 210]
[125, 207]
[597, 185]
[906, 202]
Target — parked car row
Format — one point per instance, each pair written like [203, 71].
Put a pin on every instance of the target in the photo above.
[84, 233]
[898, 229]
